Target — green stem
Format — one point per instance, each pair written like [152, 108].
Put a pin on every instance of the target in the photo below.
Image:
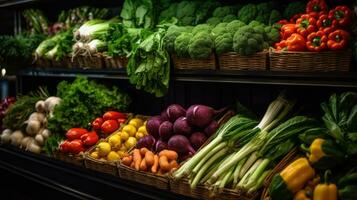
[213, 159]
[257, 173]
[211, 171]
[226, 178]
[237, 170]
[251, 160]
[208, 156]
[260, 182]
[249, 173]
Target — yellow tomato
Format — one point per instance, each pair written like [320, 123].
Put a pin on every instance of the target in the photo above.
[123, 148]
[139, 135]
[136, 122]
[94, 154]
[103, 148]
[122, 154]
[115, 141]
[124, 136]
[131, 142]
[142, 129]
[113, 156]
[129, 129]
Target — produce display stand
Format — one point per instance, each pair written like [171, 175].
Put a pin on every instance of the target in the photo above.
[204, 84]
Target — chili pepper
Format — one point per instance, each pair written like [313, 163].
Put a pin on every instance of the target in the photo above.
[76, 146]
[75, 133]
[316, 8]
[296, 42]
[326, 24]
[109, 126]
[90, 138]
[295, 17]
[286, 30]
[342, 14]
[326, 190]
[113, 115]
[338, 40]
[64, 146]
[306, 24]
[292, 179]
[97, 123]
[316, 41]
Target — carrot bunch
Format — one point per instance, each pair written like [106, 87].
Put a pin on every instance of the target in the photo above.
[145, 160]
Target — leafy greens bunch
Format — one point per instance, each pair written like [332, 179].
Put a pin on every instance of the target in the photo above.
[83, 101]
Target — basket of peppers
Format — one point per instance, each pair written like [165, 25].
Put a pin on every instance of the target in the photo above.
[315, 41]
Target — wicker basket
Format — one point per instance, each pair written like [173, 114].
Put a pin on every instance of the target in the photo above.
[115, 62]
[77, 160]
[42, 62]
[234, 61]
[292, 155]
[147, 178]
[188, 63]
[100, 165]
[310, 61]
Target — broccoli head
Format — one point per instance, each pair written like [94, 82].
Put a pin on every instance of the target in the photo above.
[214, 21]
[234, 25]
[218, 30]
[201, 45]
[273, 35]
[247, 40]
[181, 44]
[255, 23]
[223, 43]
[223, 11]
[186, 9]
[168, 13]
[201, 27]
[263, 12]
[204, 11]
[171, 34]
[229, 18]
[247, 13]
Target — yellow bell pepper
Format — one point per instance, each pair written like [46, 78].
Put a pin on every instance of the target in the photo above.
[316, 150]
[325, 191]
[302, 195]
[297, 174]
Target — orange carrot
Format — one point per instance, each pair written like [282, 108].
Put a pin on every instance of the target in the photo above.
[143, 151]
[173, 164]
[137, 159]
[171, 155]
[164, 163]
[143, 166]
[127, 160]
[149, 157]
[155, 165]
[132, 165]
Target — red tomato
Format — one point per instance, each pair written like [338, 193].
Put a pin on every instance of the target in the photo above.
[75, 133]
[113, 115]
[110, 126]
[97, 123]
[76, 146]
[64, 146]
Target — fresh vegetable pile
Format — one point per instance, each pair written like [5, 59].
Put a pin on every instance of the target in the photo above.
[78, 140]
[121, 141]
[317, 30]
[180, 130]
[145, 160]
[329, 167]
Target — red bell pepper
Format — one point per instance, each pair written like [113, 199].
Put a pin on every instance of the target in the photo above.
[286, 30]
[296, 42]
[305, 25]
[316, 41]
[75, 133]
[64, 146]
[316, 7]
[90, 139]
[295, 17]
[338, 40]
[326, 24]
[113, 115]
[280, 45]
[110, 126]
[121, 121]
[282, 21]
[76, 146]
[97, 123]
[342, 14]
